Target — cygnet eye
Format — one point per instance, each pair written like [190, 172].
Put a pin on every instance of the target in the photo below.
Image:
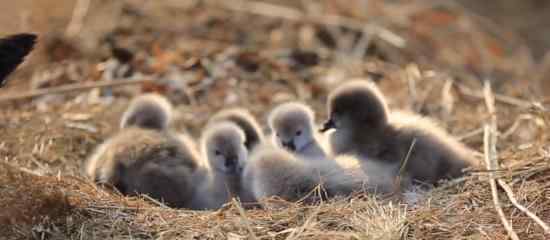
[218, 153]
[299, 132]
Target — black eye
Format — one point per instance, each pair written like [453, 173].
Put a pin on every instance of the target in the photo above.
[298, 133]
[217, 153]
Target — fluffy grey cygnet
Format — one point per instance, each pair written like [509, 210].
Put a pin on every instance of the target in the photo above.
[273, 171]
[293, 128]
[144, 158]
[223, 146]
[245, 120]
[148, 111]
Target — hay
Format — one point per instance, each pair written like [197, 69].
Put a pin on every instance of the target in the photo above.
[69, 207]
[44, 196]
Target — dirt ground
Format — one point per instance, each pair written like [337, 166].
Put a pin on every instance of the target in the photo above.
[429, 57]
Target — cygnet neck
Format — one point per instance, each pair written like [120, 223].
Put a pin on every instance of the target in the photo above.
[312, 150]
[230, 181]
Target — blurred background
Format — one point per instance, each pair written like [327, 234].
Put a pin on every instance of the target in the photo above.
[437, 32]
[528, 18]
[428, 55]
[210, 54]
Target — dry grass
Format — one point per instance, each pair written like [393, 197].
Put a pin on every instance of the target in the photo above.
[69, 207]
[225, 59]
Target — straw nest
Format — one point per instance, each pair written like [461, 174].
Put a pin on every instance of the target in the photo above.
[44, 142]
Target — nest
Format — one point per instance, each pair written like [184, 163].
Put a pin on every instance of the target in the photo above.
[447, 53]
[60, 207]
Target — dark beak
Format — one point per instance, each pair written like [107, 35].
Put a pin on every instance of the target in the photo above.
[289, 145]
[329, 124]
[231, 163]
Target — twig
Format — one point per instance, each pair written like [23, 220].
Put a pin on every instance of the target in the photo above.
[452, 183]
[28, 171]
[72, 88]
[490, 25]
[522, 208]
[277, 11]
[297, 232]
[362, 45]
[244, 218]
[498, 97]
[81, 126]
[447, 99]
[155, 201]
[412, 75]
[77, 20]
[344, 45]
[490, 140]
[470, 134]
[521, 118]
[489, 160]
[10, 166]
[403, 164]
[406, 160]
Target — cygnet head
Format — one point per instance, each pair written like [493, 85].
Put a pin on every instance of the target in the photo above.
[356, 104]
[223, 146]
[292, 125]
[150, 111]
[245, 120]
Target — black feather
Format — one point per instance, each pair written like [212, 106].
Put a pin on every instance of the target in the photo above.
[13, 50]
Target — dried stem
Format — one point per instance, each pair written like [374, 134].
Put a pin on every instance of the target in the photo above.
[77, 21]
[297, 232]
[498, 97]
[72, 88]
[490, 140]
[277, 11]
[245, 220]
[522, 208]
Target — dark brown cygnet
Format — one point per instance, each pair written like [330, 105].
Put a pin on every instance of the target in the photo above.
[364, 127]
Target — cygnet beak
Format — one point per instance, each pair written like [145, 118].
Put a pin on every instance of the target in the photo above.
[329, 124]
[289, 145]
[231, 164]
